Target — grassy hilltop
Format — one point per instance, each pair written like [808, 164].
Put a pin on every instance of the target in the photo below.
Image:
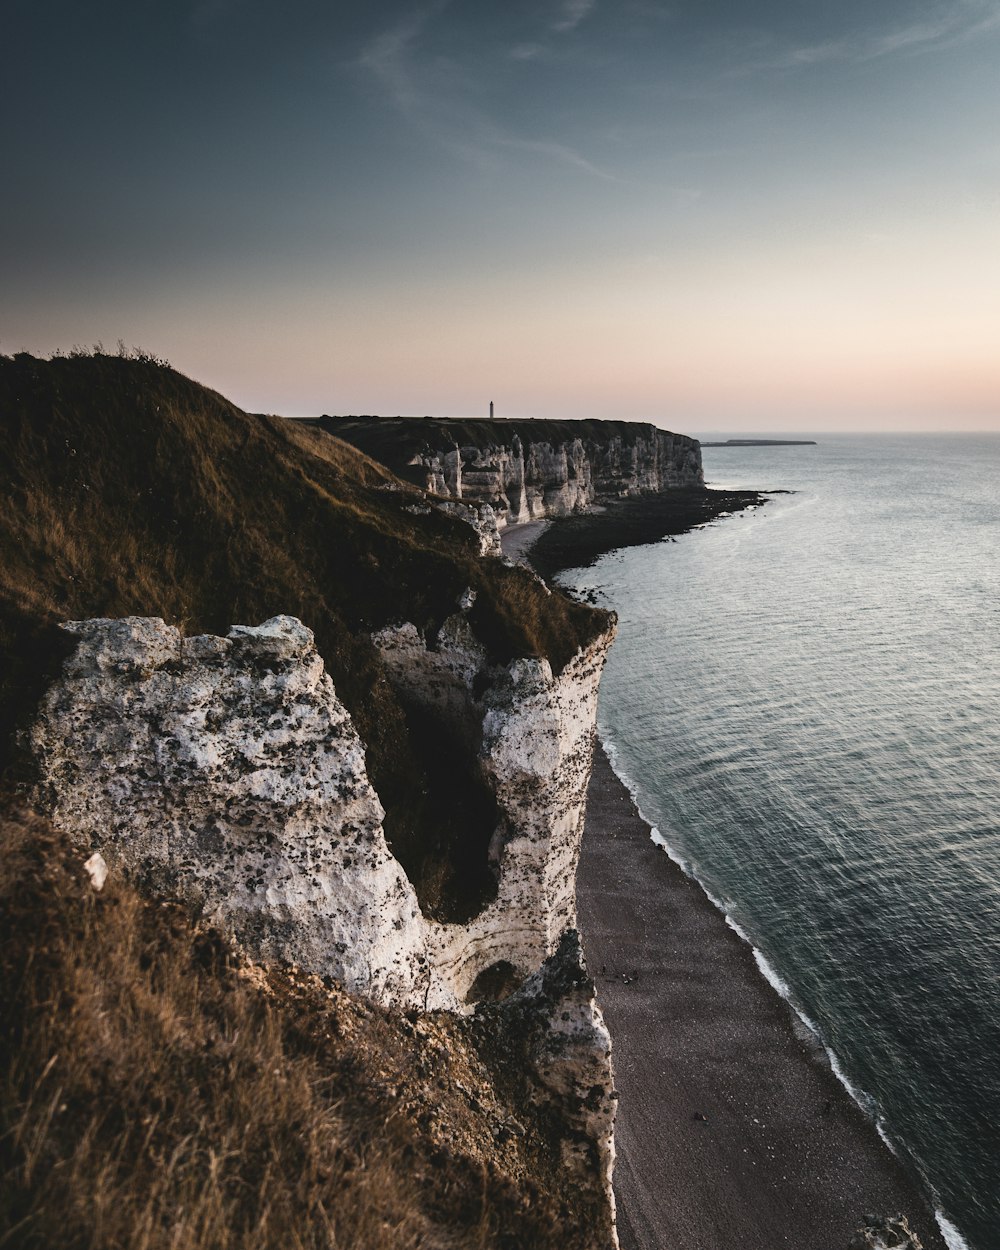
[131, 490]
[160, 1093]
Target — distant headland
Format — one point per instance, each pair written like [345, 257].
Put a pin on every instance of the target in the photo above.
[763, 442]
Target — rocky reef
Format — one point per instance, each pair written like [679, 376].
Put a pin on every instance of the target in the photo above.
[890, 1233]
[527, 470]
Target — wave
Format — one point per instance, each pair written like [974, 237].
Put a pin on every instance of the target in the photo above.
[953, 1238]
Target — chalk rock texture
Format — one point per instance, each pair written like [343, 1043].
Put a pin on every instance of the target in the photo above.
[560, 1050]
[526, 469]
[533, 734]
[227, 769]
[892, 1233]
[529, 480]
[482, 518]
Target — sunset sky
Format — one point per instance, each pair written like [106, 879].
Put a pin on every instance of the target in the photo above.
[720, 215]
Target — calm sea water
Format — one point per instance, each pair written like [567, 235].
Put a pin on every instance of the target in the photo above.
[808, 698]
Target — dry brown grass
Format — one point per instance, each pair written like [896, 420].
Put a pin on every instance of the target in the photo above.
[160, 1094]
[131, 490]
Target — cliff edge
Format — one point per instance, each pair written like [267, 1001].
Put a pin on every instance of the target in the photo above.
[527, 470]
[252, 674]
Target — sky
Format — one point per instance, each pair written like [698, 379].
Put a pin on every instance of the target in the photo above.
[719, 215]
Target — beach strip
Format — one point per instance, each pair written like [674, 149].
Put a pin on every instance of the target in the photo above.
[733, 1133]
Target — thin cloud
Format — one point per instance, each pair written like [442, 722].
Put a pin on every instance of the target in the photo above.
[943, 33]
[388, 57]
[958, 25]
[560, 154]
[526, 52]
[435, 102]
[573, 13]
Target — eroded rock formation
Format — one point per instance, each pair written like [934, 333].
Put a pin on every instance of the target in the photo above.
[228, 769]
[559, 1051]
[529, 481]
[890, 1233]
[532, 731]
[527, 470]
[483, 519]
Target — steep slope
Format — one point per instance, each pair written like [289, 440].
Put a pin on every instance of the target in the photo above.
[161, 1091]
[131, 490]
[382, 807]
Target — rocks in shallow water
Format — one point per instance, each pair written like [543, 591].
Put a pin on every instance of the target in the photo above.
[891, 1233]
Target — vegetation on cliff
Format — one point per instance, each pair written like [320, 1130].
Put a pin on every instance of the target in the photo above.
[132, 490]
[161, 1093]
[394, 441]
[159, 1089]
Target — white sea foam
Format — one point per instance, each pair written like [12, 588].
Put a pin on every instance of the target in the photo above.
[953, 1238]
[767, 970]
[614, 759]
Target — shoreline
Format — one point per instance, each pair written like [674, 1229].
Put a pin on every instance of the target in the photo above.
[782, 1154]
[579, 539]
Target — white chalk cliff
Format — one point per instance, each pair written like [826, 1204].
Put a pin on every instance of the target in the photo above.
[228, 771]
[529, 480]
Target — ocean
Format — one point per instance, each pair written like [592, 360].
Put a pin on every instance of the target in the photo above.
[805, 700]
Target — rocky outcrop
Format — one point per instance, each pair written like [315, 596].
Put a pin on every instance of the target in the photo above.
[528, 470]
[227, 769]
[483, 519]
[559, 1048]
[532, 731]
[891, 1233]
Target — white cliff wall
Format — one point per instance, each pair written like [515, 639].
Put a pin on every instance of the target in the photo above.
[556, 1037]
[228, 769]
[530, 481]
[534, 734]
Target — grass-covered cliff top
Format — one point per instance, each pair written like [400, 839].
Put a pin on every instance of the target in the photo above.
[394, 440]
[132, 490]
[160, 1093]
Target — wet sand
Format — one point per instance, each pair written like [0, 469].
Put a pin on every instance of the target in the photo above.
[783, 1155]
[516, 540]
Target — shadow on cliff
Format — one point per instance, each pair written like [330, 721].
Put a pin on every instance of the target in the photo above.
[131, 490]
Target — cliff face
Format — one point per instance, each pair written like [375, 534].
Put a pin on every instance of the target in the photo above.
[527, 470]
[393, 801]
[227, 771]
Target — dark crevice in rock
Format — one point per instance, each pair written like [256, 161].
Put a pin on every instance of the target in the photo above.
[448, 862]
